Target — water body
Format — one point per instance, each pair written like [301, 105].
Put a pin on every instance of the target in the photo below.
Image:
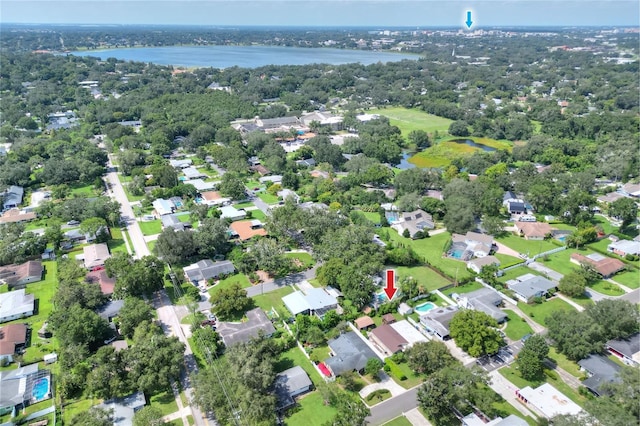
[244, 56]
[404, 162]
[473, 144]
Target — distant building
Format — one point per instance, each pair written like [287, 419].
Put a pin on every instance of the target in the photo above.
[163, 207]
[13, 339]
[289, 384]
[12, 197]
[387, 339]
[95, 255]
[364, 323]
[17, 387]
[17, 276]
[230, 212]
[628, 350]
[172, 221]
[527, 287]
[14, 215]
[100, 277]
[257, 325]
[110, 310]
[193, 173]
[533, 230]
[601, 371]
[414, 222]
[624, 247]
[474, 420]
[605, 266]
[478, 263]
[181, 164]
[247, 229]
[484, 300]
[213, 198]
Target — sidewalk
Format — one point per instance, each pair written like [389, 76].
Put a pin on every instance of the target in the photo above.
[416, 418]
[569, 301]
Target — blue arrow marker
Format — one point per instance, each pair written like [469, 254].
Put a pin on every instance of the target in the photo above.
[468, 21]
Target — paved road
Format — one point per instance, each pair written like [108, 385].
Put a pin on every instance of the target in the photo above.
[633, 297]
[507, 390]
[393, 407]
[266, 209]
[564, 375]
[166, 314]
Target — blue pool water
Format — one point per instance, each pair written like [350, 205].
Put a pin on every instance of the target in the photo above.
[457, 253]
[425, 307]
[41, 389]
[562, 238]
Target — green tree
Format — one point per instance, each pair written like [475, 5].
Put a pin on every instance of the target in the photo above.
[95, 416]
[95, 226]
[133, 313]
[175, 246]
[575, 334]
[618, 319]
[624, 209]
[531, 357]
[420, 138]
[230, 301]
[78, 325]
[373, 366]
[459, 128]
[232, 186]
[212, 237]
[429, 357]
[573, 284]
[351, 411]
[475, 332]
[148, 416]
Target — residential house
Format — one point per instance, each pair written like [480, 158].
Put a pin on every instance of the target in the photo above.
[279, 123]
[201, 185]
[181, 164]
[100, 277]
[387, 339]
[246, 128]
[310, 205]
[547, 401]
[12, 197]
[628, 350]
[437, 320]
[432, 193]
[475, 244]
[315, 301]
[16, 215]
[485, 300]
[213, 198]
[261, 170]
[95, 255]
[16, 304]
[287, 193]
[270, 180]
[609, 198]
[324, 119]
[247, 229]
[17, 387]
[193, 173]
[206, 269]
[514, 204]
[478, 263]
[308, 162]
[257, 325]
[110, 310]
[409, 332]
[605, 266]
[364, 323]
[527, 287]
[474, 419]
[13, 338]
[124, 408]
[624, 247]
[533, 230]
[414, 222]
[289, 384]
[349, 352]
[162, 206]
[630, 190]
[253, 161]
[18, 276]
[230, 212]
[601, 371]
[172, 221]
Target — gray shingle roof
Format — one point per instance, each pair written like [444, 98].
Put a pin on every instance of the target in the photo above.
[242, 332]
[602, 371]
[627, 347]
[351, 353]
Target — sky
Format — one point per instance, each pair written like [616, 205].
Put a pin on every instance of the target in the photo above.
[412, 13]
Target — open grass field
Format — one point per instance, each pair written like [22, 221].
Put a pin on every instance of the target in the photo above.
[116, 243]
[304, 258]
[630, 279]
[538, 312]
[83, 190]
[373, 217]
[442, 153]
[608, 288]
[521, 245]
[311, 411]
[563, 362]
[293, 357]
[561, 261]
[408, 120]
[150, 228]
[517, 328]
[431, 250]
[273, 299]
[516, 272]
[268, 198]
[462, 289]
[165, 402]
[227, 282]
[426, 277]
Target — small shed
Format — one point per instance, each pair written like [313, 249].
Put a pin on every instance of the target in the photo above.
[388, 319]
[50, 358]
[404, 309]
[364, 323]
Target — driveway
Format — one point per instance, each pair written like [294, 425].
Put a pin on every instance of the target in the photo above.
[393, 407]
[553, 275]
[507, 390]
[385, 382]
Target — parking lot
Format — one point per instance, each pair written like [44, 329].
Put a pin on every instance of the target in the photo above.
[505, 356]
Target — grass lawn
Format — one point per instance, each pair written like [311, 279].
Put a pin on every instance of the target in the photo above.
[517, 328]
[320, 353]
[165, 402]
[268, 198]
[83, 190]
[79, 406]
[311, 411]
[505, 410]
[506, 260]
[304, 258]
[243, 205]
[116, 243]
[444, 151]
[412, 379]
[516, 272]
[150, 245]
[630, 279]
[227, 282]
[431, 250]
[273, 299]
[538, 312]
[513, 375]
[467, 288]
[253, 184]
[561, 261]
[564, 363]
[377, 396]
[152, 227]
[39, 406]
[257, 214]
[426, 277]
[293, 357]
[399, 421]
[373, 217]
[521, 245]
[605, 287]
[408, 120]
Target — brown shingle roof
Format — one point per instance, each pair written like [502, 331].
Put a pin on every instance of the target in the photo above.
[245, 231]
[533, 229]
[364, 322]
[605, 267]
[15, 215]
[107, 285]
[10, 335]
[389, 337]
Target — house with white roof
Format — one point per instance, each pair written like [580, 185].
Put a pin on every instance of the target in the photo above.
[162, 206]
[193, 173]
[200, 185]
[414, 222]
[287, 193]
[316, 301]
[230, 212]
[547, 401]
[16, 304]
[94, 256]
[180, 164]
[478, 263]
[624, 247]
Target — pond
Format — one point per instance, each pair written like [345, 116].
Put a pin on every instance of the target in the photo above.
[473, 144]
[404, 163]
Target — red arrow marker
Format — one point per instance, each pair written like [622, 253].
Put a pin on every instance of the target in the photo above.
[391, 289]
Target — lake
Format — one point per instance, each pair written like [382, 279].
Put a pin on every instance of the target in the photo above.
[474, 144]
[244, 56]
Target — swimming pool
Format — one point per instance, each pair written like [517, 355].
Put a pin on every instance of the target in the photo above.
[425, 307]
[40, 389]
[457, 253]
